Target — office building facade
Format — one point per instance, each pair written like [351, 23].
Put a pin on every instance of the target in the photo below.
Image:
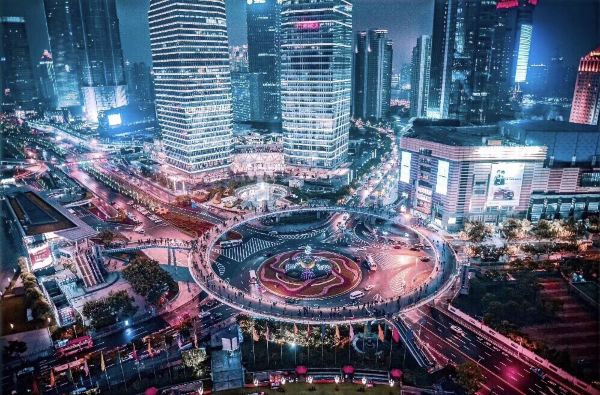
[316, 71]
[246, 89]
[263, 18]
[140, 85]
[373, 56]
[19, 89]
[585, 107]
[190, 57]
[419, 84]
[60, 20]
[46, 82]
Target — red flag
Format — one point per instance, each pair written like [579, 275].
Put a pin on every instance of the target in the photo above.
[134, 353]
[255, 335]
[295, 329]
[351, 332]
[396, 335]
[381, 333]
[52, 378]
[150, 351]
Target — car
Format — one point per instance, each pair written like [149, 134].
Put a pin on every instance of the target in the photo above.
[457, 330]
[356, 295]
[204, 314]
[291, 301]
[538, 372]
[211, 303]
[415, 248]
[369, 287]
[504, 194]
[424, 259]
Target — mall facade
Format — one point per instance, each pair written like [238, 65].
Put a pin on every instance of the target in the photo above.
[454, 174]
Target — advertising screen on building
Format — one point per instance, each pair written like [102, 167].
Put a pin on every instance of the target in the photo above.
[405, 167]
[114, 119]
[441, 185]
[505, 184]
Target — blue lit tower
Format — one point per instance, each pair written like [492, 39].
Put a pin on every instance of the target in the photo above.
[190, 60]
[102, 70]
[18, 83]
[263, 18]
[316, 71]
[65, 52]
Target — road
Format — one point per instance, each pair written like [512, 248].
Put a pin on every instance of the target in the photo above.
[505, 374]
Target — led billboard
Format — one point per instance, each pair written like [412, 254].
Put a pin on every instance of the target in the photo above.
[405, 167]
[114, 119]
[504, 186]
[441, 185]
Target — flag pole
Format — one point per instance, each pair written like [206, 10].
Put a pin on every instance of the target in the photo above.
[122, 372]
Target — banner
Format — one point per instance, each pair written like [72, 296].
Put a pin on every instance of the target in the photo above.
[505, 184]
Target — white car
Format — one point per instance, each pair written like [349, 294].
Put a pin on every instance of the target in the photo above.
[457, 330]
[369, 287]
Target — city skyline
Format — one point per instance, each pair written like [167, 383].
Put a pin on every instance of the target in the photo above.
[581, 37]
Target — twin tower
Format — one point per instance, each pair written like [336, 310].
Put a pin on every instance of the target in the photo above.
[190, 56]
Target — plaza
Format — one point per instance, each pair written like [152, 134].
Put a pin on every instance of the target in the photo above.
[371, 264]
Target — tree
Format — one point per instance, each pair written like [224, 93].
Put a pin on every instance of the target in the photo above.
[477, 231]
[15, 347]
[512, 229]
[106, 311]
[149, 280]
[195, 359]
[469, 377]
[545, 230]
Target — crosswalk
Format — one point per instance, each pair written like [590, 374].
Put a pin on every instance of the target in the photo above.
[253, 245]
[304, 235]
[398, 283]
[220, 268]
[384, 260]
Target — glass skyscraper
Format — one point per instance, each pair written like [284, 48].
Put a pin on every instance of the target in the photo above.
[65, 54]
[192, 82]
[419, 84]
[18, 83]
[316, 70]
[263, 19]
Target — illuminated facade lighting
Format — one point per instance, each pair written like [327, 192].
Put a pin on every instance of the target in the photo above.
[585, 107]
[190, 57]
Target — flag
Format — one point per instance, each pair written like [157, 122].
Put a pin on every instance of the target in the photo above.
[179, 342]
[52, 378]
[351, 333]
[70, 375]
[381, 333]
[395, 335]
[308, 330]
[295, 329]
[366, 329]
[86, 368]
[102, 364]
[134, 353]
[337, 334]
[322, 331]
[267, 333]
[255, 336]
[150, 351]
[195, 339]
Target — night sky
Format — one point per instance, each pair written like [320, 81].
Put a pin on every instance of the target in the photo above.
[571, 27]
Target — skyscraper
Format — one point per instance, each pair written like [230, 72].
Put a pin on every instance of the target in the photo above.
[45, 76]
[586, 98]
[18, 83]
[263, 19]
[372, 74]
[359, 96]
[190, 57]
[103, 83]
[65, 54]
[442, 57]
[316, 70]
[238, 58]
[246, 89]
[510, 57]
[419, 84]
[139, 83]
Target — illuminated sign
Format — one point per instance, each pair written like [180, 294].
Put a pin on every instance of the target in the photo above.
[441, 185]
[505, 184]
[405, 167]
[114, 119]
[523, 53]
[308, 26]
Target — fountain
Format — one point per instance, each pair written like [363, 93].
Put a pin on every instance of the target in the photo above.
[306, 266]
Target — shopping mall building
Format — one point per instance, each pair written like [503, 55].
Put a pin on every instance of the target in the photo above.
[524, 169]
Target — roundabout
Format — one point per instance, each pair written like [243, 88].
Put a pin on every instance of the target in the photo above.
[360, 265]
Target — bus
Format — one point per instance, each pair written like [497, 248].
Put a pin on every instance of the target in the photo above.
[230, 243]
[75, 346]
[371, 265]
[253, 278]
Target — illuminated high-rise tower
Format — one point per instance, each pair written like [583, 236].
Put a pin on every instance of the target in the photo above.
[419, 83]
[586, 98]
[18, 83]
[263, 19]
[190, 58]
[373, 54]
[65, 52]
[316, 69]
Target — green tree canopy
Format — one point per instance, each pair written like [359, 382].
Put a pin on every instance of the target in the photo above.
[148, 279]
[469, 377]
